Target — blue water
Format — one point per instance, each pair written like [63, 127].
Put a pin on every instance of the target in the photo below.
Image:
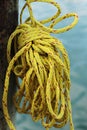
[75, 42]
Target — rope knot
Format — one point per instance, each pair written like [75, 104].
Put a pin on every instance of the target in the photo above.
[30, 34]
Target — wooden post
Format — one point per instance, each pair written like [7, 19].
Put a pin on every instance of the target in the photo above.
[8, 22]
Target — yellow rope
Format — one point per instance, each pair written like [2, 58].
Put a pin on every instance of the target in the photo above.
[42, 64]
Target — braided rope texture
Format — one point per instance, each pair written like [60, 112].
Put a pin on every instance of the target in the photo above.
[41, 62]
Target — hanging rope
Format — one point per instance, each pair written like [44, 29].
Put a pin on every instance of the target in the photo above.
[41, 62]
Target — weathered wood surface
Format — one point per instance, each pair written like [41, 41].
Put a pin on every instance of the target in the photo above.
[8, 22]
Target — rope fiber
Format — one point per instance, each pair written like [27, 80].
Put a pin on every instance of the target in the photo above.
[41, 62]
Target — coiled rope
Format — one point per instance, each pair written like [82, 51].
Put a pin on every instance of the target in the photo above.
[42, 64]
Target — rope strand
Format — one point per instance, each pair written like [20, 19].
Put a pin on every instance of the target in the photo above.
[42, 64]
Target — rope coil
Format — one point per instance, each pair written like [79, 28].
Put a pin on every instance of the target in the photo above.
[42, 64]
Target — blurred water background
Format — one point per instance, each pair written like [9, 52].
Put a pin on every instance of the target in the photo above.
[75, 41]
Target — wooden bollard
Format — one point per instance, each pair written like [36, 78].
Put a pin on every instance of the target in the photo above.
[8, 22]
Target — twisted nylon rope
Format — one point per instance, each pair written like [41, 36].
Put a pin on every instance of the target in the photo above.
[42, 64]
